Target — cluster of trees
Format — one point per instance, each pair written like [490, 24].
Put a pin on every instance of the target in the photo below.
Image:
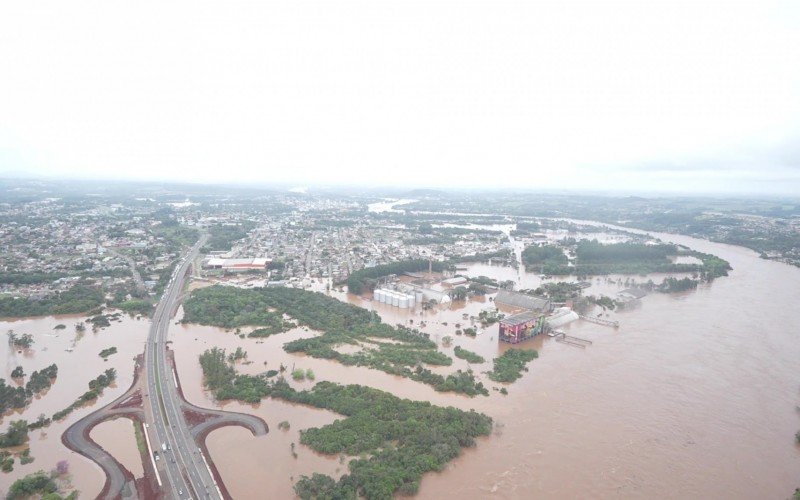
[541, 255]
[78, 299]
[41, 379]
[480, 257]
[96, 387]
[276, 325]
[231, 307]
[594, 251]
[19, 397]
[558, 292]
[6, 461]
[16, 434]
[135, 306]
[713, 266]
[603, 301]
[238, 354]
[670, 285]
[23, 341]
[469, 356]
[364, 280]
[218, 372]
[222, 236]
[398, 440]
[100, 321]
[108, 352]
[40, 484]
[510, 365]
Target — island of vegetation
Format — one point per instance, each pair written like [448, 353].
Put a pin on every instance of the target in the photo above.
[396, 440]
[108, 352]
[469, 356]
[510, 365]
[395, 350]
[594, 258]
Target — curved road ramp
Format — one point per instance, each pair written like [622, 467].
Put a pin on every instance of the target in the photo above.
[120, 483]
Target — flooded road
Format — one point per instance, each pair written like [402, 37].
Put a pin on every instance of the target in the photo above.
[76, 355]
[693, 396]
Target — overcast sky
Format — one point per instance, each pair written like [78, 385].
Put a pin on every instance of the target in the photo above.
[642, 95]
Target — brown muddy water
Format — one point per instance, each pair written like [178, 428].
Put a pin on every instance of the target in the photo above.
[692, 397]
[119, 439]
[75, 370]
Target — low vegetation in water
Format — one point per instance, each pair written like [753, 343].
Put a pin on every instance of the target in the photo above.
[510, 365]
[96, 387]
[19, 397]
[343, 323]
[6, 461]
[396, 440]
[594, 258]
[108, 352]
[40, 484]
[469, 356]
[16, 434]
[545, 255]
[20, 341]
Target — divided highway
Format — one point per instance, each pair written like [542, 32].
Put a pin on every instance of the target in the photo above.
[180, 460]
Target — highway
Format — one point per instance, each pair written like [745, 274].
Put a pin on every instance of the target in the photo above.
[187, 475]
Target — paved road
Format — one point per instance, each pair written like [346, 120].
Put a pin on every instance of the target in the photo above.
[137, 277]
[187, 475]
[119, 481]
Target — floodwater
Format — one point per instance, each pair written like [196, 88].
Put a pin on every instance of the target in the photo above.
[388, 205]
[693, 396]
[75, 370]
[119, 439]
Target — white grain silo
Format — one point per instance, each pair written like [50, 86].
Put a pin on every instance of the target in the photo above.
[378, 295]
[395, 299]
[402, 302]
[411, 300]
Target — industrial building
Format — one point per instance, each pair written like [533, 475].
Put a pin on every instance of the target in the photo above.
[397, 298]
[561, 317]
[514, 329]
[521, 301]
[237, 265]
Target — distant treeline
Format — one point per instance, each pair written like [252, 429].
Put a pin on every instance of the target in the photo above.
[594, 258]
[78, 299]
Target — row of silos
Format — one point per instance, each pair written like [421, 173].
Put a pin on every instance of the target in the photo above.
[395, 298]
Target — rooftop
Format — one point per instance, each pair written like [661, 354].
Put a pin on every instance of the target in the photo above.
[522, 301]
[519, 319]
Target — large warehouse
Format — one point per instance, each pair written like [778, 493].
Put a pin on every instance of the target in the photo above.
[234, 265]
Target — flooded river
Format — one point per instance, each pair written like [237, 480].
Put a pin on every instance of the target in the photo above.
[692, 397]
[76, 355]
